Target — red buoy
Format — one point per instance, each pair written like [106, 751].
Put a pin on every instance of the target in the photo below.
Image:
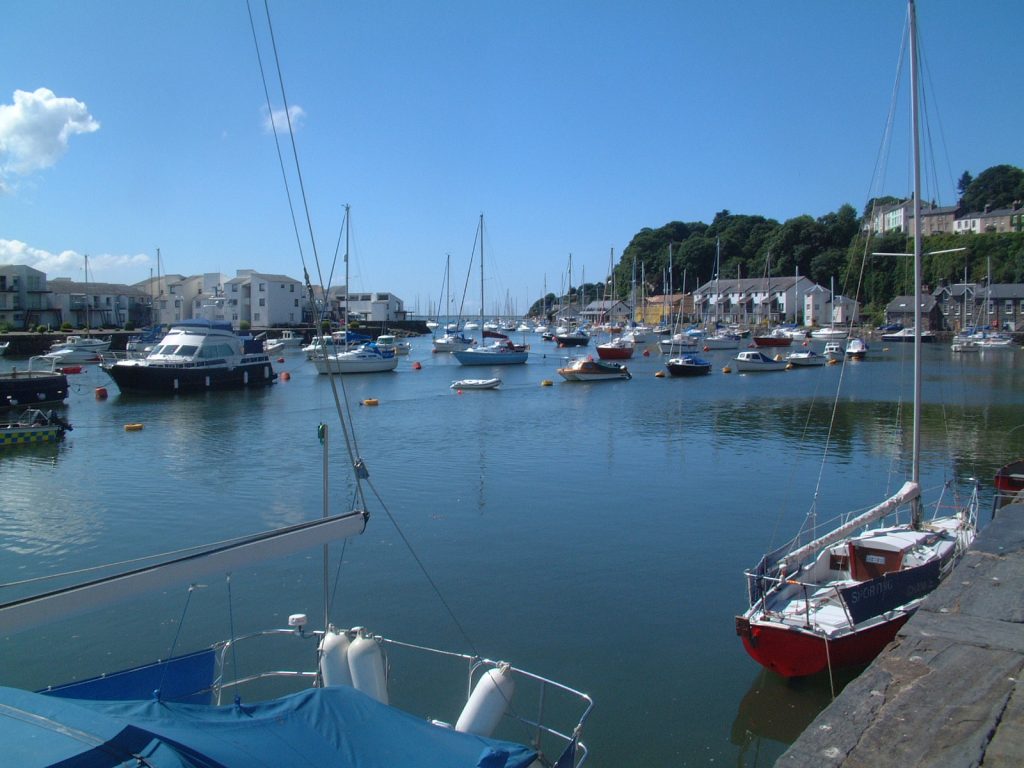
[101, 393]
[285, 376]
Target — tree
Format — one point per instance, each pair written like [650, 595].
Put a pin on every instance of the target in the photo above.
[964, 184]
[996, 187]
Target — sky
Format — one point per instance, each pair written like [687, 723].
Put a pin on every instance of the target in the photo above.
[128, 127]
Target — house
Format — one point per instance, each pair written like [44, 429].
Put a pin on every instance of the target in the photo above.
[753, 301]
[935, 219]
[610, 311]
[966, 305]
[97, 305]
[262, 300]
[901, 310]
[25, 298]
[822, 307]
[364, 307]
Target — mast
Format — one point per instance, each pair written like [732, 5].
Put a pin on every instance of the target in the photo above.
[345, 327]
[481, 279]
[915, 469]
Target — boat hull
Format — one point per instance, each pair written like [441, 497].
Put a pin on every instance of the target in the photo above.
[624, 352]
[135, 376]
[20, 388]
[793, 653]
[572, 341]
[594, 370]
[30, 435]
[688, 368]
[485, 357]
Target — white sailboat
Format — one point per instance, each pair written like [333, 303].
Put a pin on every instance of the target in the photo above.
[835, 598]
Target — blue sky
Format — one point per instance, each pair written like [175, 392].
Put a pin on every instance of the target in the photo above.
[131, 126]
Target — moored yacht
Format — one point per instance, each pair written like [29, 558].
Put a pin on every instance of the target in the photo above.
[194, 356]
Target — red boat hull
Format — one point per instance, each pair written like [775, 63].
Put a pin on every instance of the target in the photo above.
[614, 353]
[792, 653]
[772, 341]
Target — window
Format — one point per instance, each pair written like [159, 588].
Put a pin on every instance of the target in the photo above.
[292, 287]
[263, 287]
[256, 316]
[296, 302]
[263, 302]
[234, 287]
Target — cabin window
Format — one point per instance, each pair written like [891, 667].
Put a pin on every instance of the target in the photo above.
[187, 350]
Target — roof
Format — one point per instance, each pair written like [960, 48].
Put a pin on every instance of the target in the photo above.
[65, 285]
[906, 304]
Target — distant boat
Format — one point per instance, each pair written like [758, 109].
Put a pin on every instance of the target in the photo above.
[577, 337]
[829, 334]
[616, 349]
[753, 361]
[366, 358]
[78, 349]
[585, 369]
[907, 335]
[806, 358]
[3, 347]
[476, 384]
[834, 350]
[502, 351]
[777, 337]
[388, 341]
[688, 365]
[856, 349]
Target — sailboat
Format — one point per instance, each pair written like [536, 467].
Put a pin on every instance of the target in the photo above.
[365, 358]
[836, 595]
[195, 710]
[452, 339]
[501, 351]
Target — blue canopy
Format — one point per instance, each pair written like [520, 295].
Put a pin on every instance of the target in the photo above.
[338, 726]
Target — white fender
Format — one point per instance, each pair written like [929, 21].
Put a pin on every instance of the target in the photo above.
[366, 663]
[488, 702]
[334, 658]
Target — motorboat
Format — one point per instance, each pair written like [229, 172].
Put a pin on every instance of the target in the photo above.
[777, 337]
[752, 360]
[476, 384]
[688, 365]
[834, 350]
[588, 369]
[338, 341]
[830, 333]
[907, 335]
[196, 355]
[805, 358]
[77, 349]
[679, 343]
[142, 343]
[389, 341]
[366, 358]
[497, 353]
[453, 341]
[288, 341]
[856, 348]
[41, 383]
[725, 340]
[33, 426]
[576, 337]
[617, 348]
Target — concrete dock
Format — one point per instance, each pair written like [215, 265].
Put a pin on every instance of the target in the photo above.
[948, 690]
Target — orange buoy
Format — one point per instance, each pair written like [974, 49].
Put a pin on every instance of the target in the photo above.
[727, 369]
[101, 393]
[132, 427]
[659, 374]
[285, 376]
[416, 366]
[546, 383]
[371, 401]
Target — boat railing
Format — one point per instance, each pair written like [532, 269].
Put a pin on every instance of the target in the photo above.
[548, 700]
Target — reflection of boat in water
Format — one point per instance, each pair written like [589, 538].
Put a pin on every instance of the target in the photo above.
[775, 711]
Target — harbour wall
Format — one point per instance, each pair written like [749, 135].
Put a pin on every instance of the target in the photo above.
[948, 691]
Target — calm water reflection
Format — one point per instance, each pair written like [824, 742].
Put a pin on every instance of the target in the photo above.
[596, 533]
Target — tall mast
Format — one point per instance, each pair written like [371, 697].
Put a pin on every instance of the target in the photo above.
[345, 328]
[915, 118]
[481, 279]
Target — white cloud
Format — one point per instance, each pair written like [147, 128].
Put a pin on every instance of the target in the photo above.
[35, 129]
[103, 268]
[277, 120]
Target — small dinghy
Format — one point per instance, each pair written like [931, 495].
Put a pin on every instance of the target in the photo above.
[476, 384]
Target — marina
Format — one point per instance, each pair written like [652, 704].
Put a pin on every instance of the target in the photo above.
[631, 600]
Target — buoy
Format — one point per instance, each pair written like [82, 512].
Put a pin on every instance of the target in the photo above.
[416, 366]
[285, 376]
[488, 702]
[727, 369]
[334, 658]
[371, 401]
[789, 366]
[707, 348]
[546, 383]
[647, 353]
[71, 369]
[366, 664]
[778, 357]
[280, 359]
[659, 374]
[805, 343]
[832, 361]
[132, 427]
[101, 393]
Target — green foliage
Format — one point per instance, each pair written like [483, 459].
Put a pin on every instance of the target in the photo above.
[42, 329]
[244, 325]
[997, 187]
[66, 327]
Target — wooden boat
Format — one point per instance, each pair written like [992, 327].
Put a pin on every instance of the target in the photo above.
[688, 365]
[476, 384]
[586, 369]
[837, 593]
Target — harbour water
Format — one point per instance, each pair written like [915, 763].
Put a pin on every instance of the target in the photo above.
[594, 533]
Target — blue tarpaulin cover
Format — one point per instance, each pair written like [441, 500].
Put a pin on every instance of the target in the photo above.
[338, 727]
